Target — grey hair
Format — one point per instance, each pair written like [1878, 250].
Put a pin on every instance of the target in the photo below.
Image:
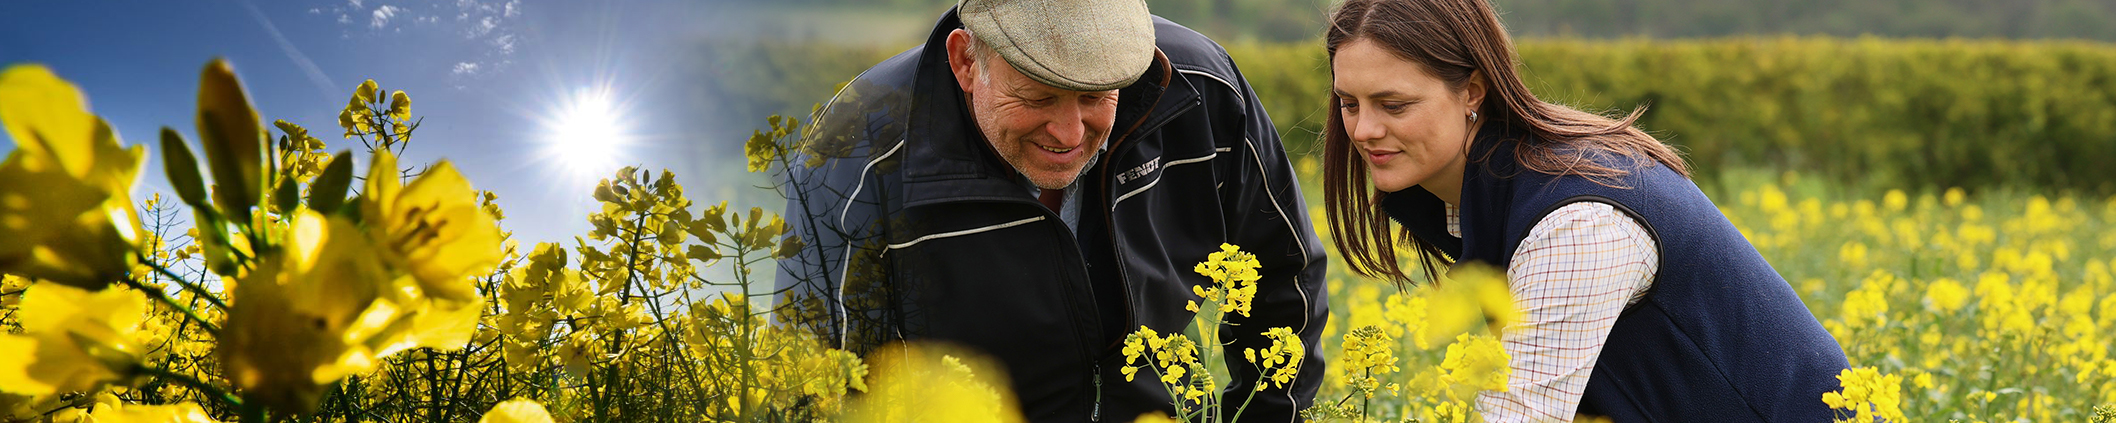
[981, 53]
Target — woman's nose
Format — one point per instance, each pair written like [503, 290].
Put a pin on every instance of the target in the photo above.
[1365, 129]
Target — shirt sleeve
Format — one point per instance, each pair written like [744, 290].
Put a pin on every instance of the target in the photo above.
[1579, 267]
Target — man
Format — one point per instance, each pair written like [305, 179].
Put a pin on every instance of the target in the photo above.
[1035, 182]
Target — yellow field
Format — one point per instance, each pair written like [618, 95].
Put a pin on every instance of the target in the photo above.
[1997, 306]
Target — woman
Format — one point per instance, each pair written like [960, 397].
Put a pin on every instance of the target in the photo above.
[1641, 301]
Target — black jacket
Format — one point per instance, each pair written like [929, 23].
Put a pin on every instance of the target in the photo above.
[915, 229]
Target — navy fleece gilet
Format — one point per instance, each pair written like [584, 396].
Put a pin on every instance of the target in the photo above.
[1719, 337]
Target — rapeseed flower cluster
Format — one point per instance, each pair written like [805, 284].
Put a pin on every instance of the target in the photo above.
[1461, 313]
[1868, 396]
[1234, 275]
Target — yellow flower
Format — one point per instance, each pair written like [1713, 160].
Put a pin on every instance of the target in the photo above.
[65, 210]
[517, 410]
[328, 308]
[1283, 359]
[173, 413]
[366, 92]
[1407, 315]
[399, 105]
[1368, 350]
[1174, 374]
[1234, 275]
[1477, 362]
[72, 340]
[1854, 254]
[929, 382]
[1868, 394]
[1470, 295]
[1947, 295]
[1153, 418]
[286, 334]
[1865, 307]
[433, 228]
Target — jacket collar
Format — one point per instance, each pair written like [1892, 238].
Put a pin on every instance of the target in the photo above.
[947, 158]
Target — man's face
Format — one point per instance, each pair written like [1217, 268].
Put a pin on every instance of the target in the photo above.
[1046, 133]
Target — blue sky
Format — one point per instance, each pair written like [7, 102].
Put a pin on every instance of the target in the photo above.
[490, 77]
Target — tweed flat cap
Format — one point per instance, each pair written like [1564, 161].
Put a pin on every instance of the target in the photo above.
[1080, 45]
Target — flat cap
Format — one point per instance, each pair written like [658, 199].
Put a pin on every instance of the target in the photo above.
[1079, 45]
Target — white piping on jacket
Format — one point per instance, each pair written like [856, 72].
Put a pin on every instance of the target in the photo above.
[965, 232]
[1157, 178]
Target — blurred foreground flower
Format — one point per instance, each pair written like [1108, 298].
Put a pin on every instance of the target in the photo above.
[924, 382]
[72, 340]
[65, 206]
[330, 306]
[517, 411]
[1468, 295]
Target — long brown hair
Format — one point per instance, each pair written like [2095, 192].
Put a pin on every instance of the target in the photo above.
[1456, 40]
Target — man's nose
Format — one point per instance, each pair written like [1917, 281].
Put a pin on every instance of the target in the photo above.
[1066, 126]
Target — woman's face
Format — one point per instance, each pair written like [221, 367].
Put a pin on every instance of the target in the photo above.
[1409, 126]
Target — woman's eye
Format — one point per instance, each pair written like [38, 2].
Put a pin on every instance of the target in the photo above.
[1395, 107]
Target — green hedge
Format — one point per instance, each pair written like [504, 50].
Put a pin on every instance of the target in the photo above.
[1910, 113]
[1930, 113]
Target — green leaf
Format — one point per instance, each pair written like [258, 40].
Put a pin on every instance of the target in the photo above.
[702, 253]
[233, 138]
[327, 192]
[287, 196]
[182, 168]
[213, 241]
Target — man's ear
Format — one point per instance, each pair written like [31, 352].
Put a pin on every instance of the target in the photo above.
[961, 61]
[1474, 89]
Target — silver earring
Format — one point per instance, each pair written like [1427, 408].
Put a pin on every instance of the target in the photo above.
[1473, 116]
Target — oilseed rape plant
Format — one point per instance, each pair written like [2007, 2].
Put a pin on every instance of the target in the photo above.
[1193, 384]
[1445, 333]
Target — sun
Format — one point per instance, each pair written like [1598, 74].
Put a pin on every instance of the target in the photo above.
[586, 135]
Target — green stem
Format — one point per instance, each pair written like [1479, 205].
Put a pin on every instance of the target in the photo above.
[1260, 381]
[159, 294]
[202, 387]
[253, 413]
[187, 284]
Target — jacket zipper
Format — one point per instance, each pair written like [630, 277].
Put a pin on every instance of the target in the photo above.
[1087, 349]
[1115, 240]
[1116, 247]
[1096, 414]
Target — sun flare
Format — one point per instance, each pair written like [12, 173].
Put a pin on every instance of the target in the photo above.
[585, 137]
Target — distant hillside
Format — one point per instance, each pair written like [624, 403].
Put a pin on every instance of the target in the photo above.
[1288, 20]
